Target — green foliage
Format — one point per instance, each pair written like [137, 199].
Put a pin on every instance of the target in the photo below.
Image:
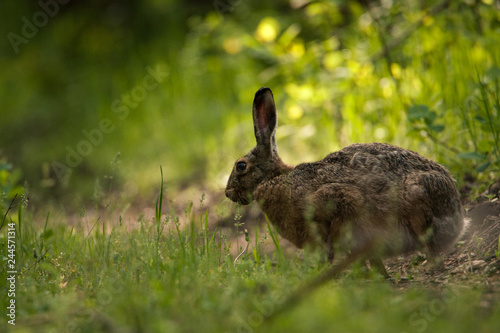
[9, 181]
[417, 74]
[12, 194]
[402, 74]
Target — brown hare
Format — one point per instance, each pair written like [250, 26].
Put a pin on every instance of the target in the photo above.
[360, 194]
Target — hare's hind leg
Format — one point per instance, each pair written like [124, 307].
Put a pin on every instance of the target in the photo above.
[433, 210]
[439, 238]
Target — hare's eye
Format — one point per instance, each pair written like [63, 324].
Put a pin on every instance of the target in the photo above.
[241, 166]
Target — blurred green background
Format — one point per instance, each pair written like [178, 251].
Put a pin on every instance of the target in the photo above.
[99, 94]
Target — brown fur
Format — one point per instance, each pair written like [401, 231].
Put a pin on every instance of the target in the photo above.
[361, 193]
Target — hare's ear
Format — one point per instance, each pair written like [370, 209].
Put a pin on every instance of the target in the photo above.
[265, 120]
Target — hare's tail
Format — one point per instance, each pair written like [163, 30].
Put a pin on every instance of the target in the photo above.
[447, 231]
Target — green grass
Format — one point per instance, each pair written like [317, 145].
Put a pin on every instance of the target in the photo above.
[161, 276]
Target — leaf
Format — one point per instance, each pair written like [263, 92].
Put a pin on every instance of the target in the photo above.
[471, 156]
[436, 128]
[429, 117]
[5, 166]
[480, 119]
[47, 234]
[423, 112]
[418, 111]
[483, 167]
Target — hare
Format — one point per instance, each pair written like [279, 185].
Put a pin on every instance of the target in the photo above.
[363, 193]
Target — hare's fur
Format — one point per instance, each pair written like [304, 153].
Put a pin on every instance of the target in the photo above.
[362, 193]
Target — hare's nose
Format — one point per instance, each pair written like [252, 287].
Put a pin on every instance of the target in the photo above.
[232, 194]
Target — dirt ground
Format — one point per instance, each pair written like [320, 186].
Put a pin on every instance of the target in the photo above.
[476, 252]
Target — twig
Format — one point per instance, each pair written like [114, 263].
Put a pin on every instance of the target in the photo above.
[333, 273]
[145, 264]
[89, 232]
[41, 258]
[247, 238]
[8, 209]
[395, 42]
[386, 51]
[442, 143]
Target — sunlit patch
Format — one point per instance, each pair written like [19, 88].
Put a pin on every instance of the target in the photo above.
[479, 54]
[303, 92]
[297, 49]
[231, 45]
[416, 86]
[295, 4]
[295, 112]
[331, 44]
[267, 30]
[396, 70]
[380, 133]
[332, 60]
[387, 86]
[307, 131]
[315, 9]
[353, 66]
[365, 24]
[364, 75]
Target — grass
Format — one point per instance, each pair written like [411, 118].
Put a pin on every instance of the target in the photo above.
[161, 276]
